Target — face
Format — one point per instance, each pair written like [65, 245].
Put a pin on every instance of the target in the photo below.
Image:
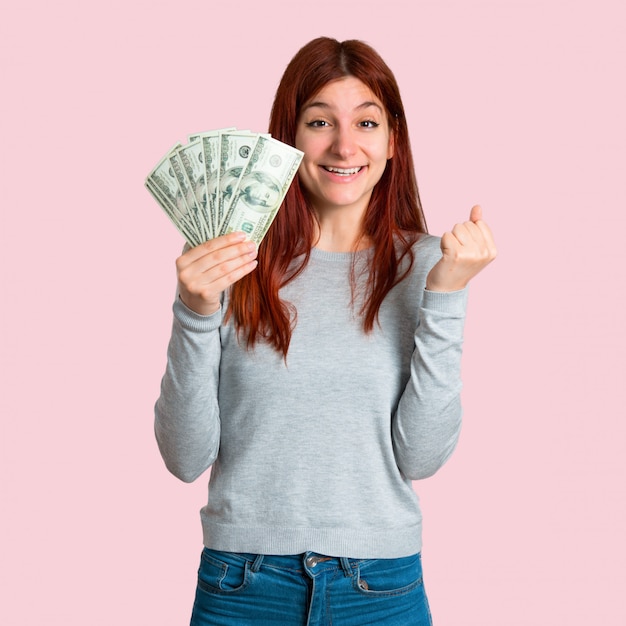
[345, 136]
[262, 193]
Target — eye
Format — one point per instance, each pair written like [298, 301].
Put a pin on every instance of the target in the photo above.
[317, 124]
[369, 124]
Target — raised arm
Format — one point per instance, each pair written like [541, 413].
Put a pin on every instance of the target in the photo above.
[187, 417]
[427, 423]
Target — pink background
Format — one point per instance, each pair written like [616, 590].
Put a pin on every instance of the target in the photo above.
[517, 105]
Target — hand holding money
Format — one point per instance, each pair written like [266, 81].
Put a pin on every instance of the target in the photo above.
[205, 271]
[222, 182]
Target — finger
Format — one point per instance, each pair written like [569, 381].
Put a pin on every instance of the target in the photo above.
[203, 297]
[215, 282]
[450, 245]
[476, 213]
[223, 259]
[201, 289]
[236, 273]
[209, 248]
[468, 242]
[488, 238]
[214, 265]
[211, 245]
[224, 262]
[483, 227]
[467, 233]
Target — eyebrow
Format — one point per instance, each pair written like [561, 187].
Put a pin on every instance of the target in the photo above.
[325, 105]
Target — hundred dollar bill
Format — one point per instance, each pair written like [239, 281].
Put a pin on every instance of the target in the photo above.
[192, 158]
[171, 213]
[262, 188]
[235, 151]
[163, 179]
[211, 157]
[188, 193]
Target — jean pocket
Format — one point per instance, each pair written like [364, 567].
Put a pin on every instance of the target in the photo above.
[223, 572]
[389, 577]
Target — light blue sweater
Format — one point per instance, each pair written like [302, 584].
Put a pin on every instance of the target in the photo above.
[318, 453]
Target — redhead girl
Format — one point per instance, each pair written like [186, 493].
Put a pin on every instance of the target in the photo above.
[319, 375]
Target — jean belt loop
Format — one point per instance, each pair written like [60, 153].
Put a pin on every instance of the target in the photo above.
[346, 566]
[256, 564]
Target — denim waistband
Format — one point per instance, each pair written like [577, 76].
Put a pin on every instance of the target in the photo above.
[312, 562]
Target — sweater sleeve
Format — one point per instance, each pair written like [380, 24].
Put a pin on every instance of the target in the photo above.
[187, 420]
[427, 423]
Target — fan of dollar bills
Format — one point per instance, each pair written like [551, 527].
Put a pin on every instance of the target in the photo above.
[224, 181]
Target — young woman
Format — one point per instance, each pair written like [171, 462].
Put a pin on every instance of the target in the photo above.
[320, 375]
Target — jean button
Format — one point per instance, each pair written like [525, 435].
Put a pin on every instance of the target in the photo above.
[312, 561]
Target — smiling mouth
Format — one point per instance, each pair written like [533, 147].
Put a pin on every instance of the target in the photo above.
[341, 171]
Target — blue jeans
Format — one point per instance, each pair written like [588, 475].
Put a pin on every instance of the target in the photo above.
[308, 590]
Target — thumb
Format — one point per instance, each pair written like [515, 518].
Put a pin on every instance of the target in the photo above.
[476, 213]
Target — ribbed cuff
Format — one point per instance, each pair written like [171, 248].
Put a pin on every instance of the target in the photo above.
[190, 320]
[451, 302]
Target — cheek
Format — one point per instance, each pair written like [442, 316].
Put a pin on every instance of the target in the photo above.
[304, 147]
[383, 160]
[304, 175]
[299, 141]
[308, 167]
[305, 168]
[312, 146]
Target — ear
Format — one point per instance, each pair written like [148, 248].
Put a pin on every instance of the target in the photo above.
[391, 145]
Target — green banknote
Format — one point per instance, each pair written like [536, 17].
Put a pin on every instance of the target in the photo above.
[224, 181]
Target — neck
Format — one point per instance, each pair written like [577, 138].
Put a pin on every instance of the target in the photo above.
[341, 231]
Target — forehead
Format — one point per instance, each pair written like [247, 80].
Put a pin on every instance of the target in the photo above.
[348, 93]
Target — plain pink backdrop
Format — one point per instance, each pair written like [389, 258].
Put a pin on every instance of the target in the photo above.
[516, 105]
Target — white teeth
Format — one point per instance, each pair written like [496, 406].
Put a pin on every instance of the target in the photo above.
[341, 171]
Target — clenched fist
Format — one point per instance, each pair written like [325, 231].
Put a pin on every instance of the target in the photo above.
[466, 250]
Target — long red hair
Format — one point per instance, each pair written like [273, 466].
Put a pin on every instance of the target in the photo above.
[393, 220]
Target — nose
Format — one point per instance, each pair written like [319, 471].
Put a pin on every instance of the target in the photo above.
[344, 144]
